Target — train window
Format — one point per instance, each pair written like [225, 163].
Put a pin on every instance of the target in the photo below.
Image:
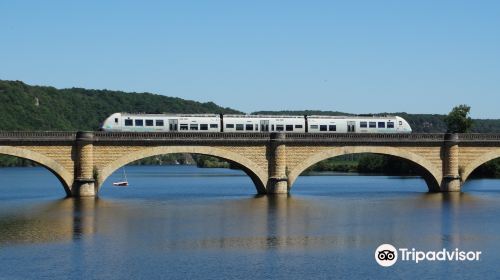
[139, 122]
[272, 127]
[279, 127]
[160, 123]
[314, 126]
[193, 126]
[373, 125]
[128, 123]
[183, 126]
[239, 127]
[256, 127]
[214, 125]
[289, 127]
[249, 127]
[298, 126]
[323, 127]
[229, 125]
[203, 126]
[400, 123]
[390, 125]
[116, 120]
[381, 124]
[332, 127]
[149, 123]
[363, 124]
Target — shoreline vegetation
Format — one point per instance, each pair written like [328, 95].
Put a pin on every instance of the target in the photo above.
[41, 108]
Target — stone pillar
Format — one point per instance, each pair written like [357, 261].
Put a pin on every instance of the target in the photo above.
[451, 178]
[278, 181]
[84, 184]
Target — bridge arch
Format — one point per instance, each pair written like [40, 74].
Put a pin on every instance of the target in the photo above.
[64, 176]
[255, 172]
[467, 171]
[432, 174]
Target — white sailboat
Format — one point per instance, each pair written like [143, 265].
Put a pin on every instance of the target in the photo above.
[122, 183]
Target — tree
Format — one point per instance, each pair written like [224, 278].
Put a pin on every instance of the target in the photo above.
[458, 120]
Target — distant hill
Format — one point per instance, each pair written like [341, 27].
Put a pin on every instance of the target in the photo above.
[25, 107]
[419, 122]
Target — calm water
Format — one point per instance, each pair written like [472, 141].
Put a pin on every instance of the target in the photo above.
[181, 222]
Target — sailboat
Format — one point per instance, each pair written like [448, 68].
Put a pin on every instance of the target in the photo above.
[122, 183]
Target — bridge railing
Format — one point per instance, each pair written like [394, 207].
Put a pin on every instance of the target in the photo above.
[265, 137]
[479, 137]
[101, 136]
[366, 137]
[37, 135]
[180, 137]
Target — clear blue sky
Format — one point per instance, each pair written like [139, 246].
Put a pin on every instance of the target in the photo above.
[353, 56]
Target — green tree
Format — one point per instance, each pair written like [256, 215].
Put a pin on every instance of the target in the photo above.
[458, 120]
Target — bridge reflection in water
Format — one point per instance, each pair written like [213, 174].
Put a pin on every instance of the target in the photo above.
[257, 223]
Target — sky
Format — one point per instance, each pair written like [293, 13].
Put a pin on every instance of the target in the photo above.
[351, 56]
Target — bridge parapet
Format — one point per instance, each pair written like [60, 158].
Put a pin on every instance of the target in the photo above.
[178, 135]
[478, 137]
[42, 136]
[365, 137]
[182, 137]
[259, 136]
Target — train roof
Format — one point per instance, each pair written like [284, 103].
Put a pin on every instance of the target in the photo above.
[170, 115]
[259, 116]
[263, 116]
[351, 117]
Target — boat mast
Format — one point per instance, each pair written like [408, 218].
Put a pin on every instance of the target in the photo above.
[124, 174]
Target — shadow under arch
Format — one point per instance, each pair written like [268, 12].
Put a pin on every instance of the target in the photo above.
[65, 177]
[255, 172]
[467, 171]
[429, 172]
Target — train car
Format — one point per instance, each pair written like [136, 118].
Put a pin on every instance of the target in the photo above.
[260, 123]
[255, 123]
[357, 124]
[162, 122]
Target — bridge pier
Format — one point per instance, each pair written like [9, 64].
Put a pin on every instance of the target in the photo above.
[451, 178]
[84, 183]
[278, 180]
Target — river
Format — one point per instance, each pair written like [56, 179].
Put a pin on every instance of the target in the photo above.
[182, 222]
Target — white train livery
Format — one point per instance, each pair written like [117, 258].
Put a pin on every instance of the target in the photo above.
[254, 123]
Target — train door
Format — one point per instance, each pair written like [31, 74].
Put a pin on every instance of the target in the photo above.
[264, 125]
[172, 125]
[351, 126]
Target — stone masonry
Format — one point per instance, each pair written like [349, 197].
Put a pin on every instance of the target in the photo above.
[83, 161]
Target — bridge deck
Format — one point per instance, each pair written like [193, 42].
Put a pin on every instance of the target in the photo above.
[99, 136]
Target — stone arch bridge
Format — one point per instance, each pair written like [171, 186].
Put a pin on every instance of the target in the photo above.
[82, 161]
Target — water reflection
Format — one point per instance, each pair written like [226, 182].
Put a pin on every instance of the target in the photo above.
[54, 221]
[257, 223]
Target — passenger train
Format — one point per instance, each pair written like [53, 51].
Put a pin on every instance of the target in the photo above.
[254, 123]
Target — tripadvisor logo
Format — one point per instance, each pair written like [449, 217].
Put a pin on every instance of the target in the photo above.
[387, 255]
